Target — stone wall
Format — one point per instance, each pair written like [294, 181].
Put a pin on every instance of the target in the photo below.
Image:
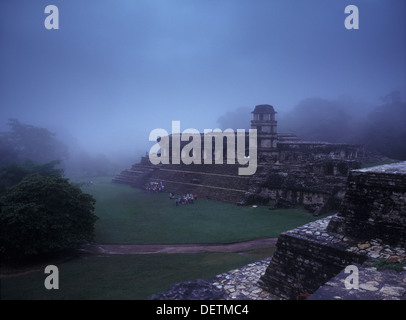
[374, 204]
[370, 224]
[310, 151]
[318, 185]
[306, 258]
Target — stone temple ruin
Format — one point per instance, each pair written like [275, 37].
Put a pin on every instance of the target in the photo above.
[289, 172]
[370, 224]
[310, 260]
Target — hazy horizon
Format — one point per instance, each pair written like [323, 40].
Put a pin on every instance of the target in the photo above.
[116, 70]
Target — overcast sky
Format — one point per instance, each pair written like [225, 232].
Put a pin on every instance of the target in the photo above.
[115, 70]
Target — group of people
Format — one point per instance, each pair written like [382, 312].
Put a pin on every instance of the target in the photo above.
[185, 199]
[154, 187]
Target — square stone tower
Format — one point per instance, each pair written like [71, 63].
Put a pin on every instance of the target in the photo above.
[265, 124]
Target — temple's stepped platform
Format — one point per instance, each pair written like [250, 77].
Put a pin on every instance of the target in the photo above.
[134, 176]
[207, 181]
[222, 169]
[202, 178]
[222, 187]
[204, 191]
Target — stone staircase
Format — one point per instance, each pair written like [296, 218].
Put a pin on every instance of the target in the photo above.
[207, 192]
[212, 182]
[206, 184]
[137, 176]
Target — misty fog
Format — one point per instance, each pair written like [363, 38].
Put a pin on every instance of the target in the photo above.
[90, 92]
[380, 128]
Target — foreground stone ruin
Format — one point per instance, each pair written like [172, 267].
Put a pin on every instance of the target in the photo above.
[370, 224]
[374, 205]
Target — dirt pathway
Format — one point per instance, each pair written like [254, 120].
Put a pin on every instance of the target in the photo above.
[176, 248]
[95, 248]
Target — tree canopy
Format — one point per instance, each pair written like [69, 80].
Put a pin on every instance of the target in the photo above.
[13, 173]
[25, 141]
[381, 129]
[44, 214]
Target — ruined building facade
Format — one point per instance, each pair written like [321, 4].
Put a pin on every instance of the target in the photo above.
[289, 171]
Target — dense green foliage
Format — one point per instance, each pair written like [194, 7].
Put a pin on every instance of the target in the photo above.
[13, 173]
[43, 214]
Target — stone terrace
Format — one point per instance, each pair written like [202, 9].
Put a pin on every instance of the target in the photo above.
[309, 256]
[373, 285]
[374, 205]
[223, 187]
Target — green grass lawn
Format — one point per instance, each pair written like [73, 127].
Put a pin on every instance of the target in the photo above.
[129, 215]
[121, 277]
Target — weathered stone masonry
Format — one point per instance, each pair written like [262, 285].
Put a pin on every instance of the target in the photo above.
[370, 224]
[311, 173]
[307, 257]
[374, 205]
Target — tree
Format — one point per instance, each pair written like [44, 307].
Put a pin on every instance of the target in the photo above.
[8, 153]
[384, 130]
[24, 142]
[318, 119]
[44, 214]
[85, 165]
[13, 173]
[381, 129]
[237, 119]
